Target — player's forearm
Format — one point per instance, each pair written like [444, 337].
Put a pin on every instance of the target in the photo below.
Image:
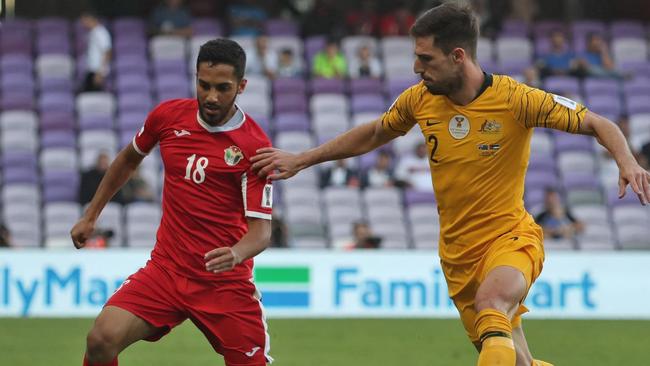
[611, 137]
[116, 176]
[356, 141]
[253, 242]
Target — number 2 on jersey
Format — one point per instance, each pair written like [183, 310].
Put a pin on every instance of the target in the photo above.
[198, 175]
[434, 139]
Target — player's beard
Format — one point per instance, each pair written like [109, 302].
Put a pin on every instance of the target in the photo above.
[216, 119]
[447, 86]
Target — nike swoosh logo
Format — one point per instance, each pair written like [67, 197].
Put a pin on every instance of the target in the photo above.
[431, 123]
[515, 238]
[181, 133]
[252, 352]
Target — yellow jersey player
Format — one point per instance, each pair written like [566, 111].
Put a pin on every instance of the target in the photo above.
[478, 129]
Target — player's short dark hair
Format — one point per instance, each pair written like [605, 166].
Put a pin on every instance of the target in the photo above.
[223, 51]
[451, 26]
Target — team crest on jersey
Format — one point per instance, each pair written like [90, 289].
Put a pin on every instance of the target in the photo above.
[232, 155]
[459, 126]
[490, 127]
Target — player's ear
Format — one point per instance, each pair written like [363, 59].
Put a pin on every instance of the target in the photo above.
[458, 55]
[242, 86]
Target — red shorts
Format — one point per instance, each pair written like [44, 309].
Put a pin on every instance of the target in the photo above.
[229, 314]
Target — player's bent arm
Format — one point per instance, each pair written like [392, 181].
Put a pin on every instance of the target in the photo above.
[251, 244]
[611, 137]
[357, 141]
[117, 174]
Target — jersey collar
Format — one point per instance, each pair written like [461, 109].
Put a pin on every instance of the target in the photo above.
[236, 121]
[487, 82]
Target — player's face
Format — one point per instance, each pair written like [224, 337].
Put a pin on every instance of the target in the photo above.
[217, 87]
[441, 74]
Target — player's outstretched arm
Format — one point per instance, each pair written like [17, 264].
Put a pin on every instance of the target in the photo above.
[611, 137]
[253, 243]
[118, 173]
[356, 141]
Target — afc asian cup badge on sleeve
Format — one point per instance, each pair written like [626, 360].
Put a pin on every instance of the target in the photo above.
[232, 155]
[459, 127]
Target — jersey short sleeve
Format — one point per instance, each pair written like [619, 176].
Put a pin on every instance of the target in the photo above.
[537, 108]
[149, 134]
[399, 117]
[257, 195]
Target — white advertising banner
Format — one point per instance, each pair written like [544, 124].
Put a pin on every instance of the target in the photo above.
[59, 283]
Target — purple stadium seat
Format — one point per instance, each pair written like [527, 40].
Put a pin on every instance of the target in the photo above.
[291, 122]
[333, 86]
[534, 197]
[599, 86]
[541, 180]
[131, 64]
[170, 66]
[580, 29]
[605, 105]
[636, 104]
[544, 163]
[131, 121]
[16, 37]
[126, 137]
[19, 175]
[125, 46]
[95, 122]
[63, 138]
[16, 100]
[53, 44]
[395, 87]
[513, 67]
[412, 197]
[134, 102]
[53, 26]
[56, 85]
[22, 160]
[16, 63]
[637, 68]
[368, 103]
[17, 83]
[627, 28]
[365, 85]
[289, 103]
[545, 27]
[366, 161]
[60, 193]
[562, 85]
[630, 197]
[207, 27]
[638, 85]
[580, 181]
[58, 120]
[569, 142]
[61, 102]
[313, 45]
[513, 27]
[133, 83]
[128, 25]
[281, 27]
[292, 85]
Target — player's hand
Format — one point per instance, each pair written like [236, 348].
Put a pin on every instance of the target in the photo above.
[81, 231]
[269, 159]
[638, 178]
[221, 259]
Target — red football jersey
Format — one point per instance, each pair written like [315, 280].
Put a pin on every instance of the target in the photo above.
[209, 187]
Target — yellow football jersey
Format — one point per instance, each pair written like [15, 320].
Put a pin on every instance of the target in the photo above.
[479, 154]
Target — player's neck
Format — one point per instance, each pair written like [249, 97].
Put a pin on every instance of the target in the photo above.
[225, 119]
[473, 80]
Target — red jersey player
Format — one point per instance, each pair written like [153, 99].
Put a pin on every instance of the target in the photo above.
[216, 218]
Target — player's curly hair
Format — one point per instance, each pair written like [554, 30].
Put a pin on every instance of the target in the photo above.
[223, 51]
[451, 26]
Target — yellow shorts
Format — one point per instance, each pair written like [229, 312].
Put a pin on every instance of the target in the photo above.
[521, 248]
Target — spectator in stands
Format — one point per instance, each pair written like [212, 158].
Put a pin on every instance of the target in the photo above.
[100, 239]
[397, 22]
[171, 18]
[137, 189]
[98, 53]
[5, 236]
[560, 60]
[597, 61]
[262, 61]
[330, 63]
[247, 17]
[339, 175]
[91, 178]
[362, 238]
[413, 170]
[287, 65]
[556, 220]
[363, 19]
[381, 174]
[365, 65]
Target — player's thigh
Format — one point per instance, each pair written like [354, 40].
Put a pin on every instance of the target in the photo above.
[118, 328]
[503, 289]
[234, 323]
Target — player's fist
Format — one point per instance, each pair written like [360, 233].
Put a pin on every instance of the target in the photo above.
[221, 259]
[81, 231]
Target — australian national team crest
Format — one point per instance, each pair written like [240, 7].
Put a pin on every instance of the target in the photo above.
[459, 126]
[490, 127]
[232, 155]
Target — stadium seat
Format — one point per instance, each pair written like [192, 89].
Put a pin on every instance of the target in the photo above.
[167, 47]
[59, 219]
[629, 50]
